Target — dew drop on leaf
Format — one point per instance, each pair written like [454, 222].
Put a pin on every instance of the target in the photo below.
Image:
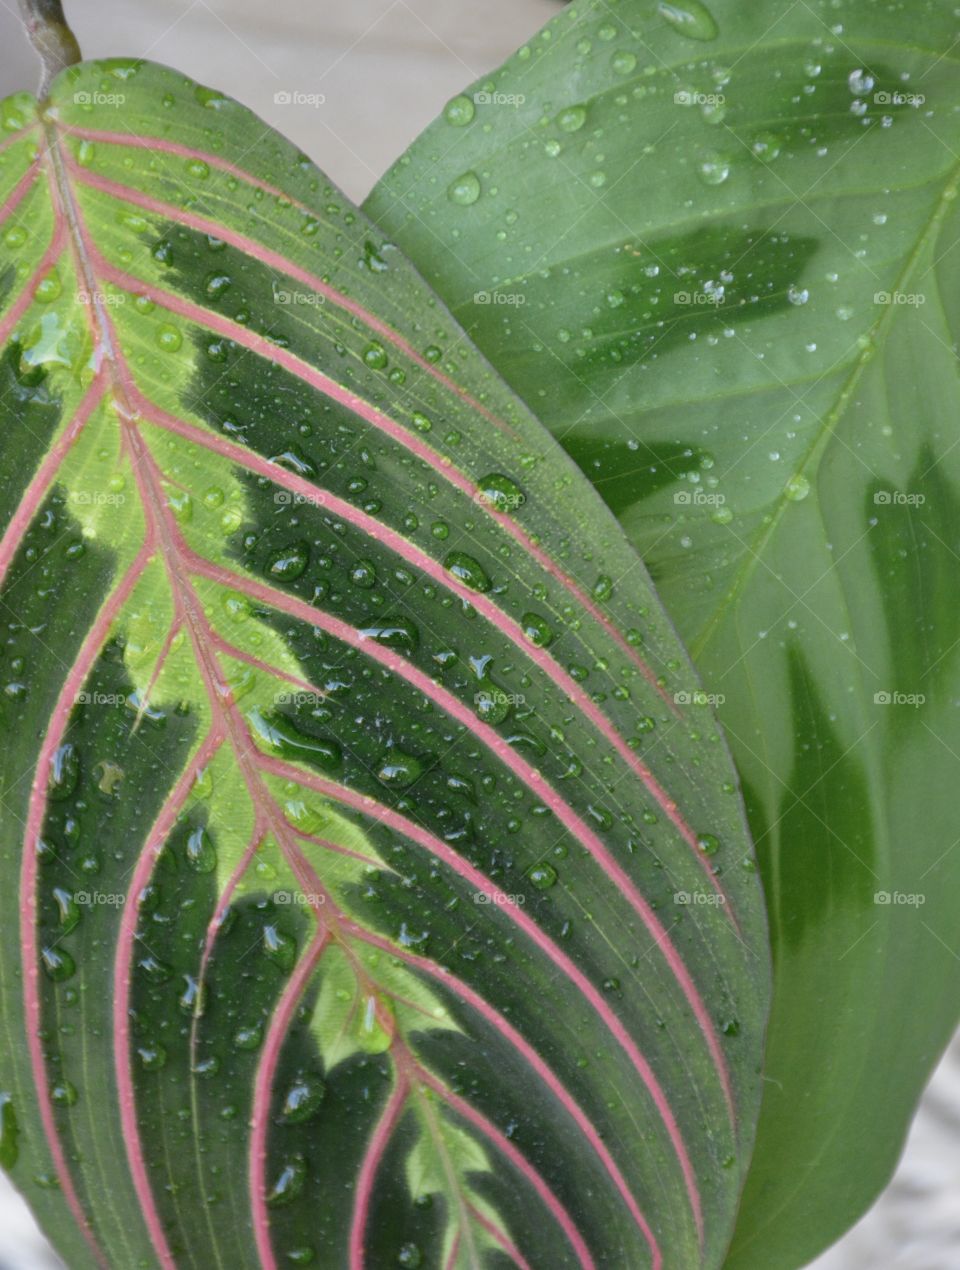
[465, 190]
[689, 18]
[460, 111]
[200, 853]
[542, 875]
[467, 570]
[572, 119]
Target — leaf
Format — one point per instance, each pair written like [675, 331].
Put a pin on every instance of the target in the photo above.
[687, 232]
[380, 902]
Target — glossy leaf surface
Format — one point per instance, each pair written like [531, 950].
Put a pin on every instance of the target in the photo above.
[370, 895]
[716, 253]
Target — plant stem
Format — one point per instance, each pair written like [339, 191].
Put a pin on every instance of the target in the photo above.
[51, 37]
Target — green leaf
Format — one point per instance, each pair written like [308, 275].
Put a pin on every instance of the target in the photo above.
[370, 895]
[682, 256]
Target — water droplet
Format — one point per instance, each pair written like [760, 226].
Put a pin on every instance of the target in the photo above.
[64, 772]
[197, 168]
[289, 562]
[624, 63]
[168, 338]
[303, 1099]
[603, 588]
[542, 876]
[152, 1056]
[410, 1257]
[64, 1094]
[398, 769]
[290, 1182]
[281, 949]
[460, 111]
[467, 570]
[536, 629]
[465, 190]
[375, 356]
[708, 843]
[713, 168]
[572, 118]
[500, 492]
[766, 146]
[200, 853]
[860, 82]
[58, 964]
[689, 18]
[797, 488]
[797, 295]
[364, 574]
[218, 284]
[282, 735]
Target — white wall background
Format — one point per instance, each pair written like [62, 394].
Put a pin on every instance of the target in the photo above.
[385, 68]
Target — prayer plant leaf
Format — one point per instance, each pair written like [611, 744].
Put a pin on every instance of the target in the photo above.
[716, 253]
[371, 894]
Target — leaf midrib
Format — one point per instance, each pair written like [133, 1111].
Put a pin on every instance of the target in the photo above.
[831, 422]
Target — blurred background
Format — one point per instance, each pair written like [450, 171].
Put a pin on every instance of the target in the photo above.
[362, 79]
